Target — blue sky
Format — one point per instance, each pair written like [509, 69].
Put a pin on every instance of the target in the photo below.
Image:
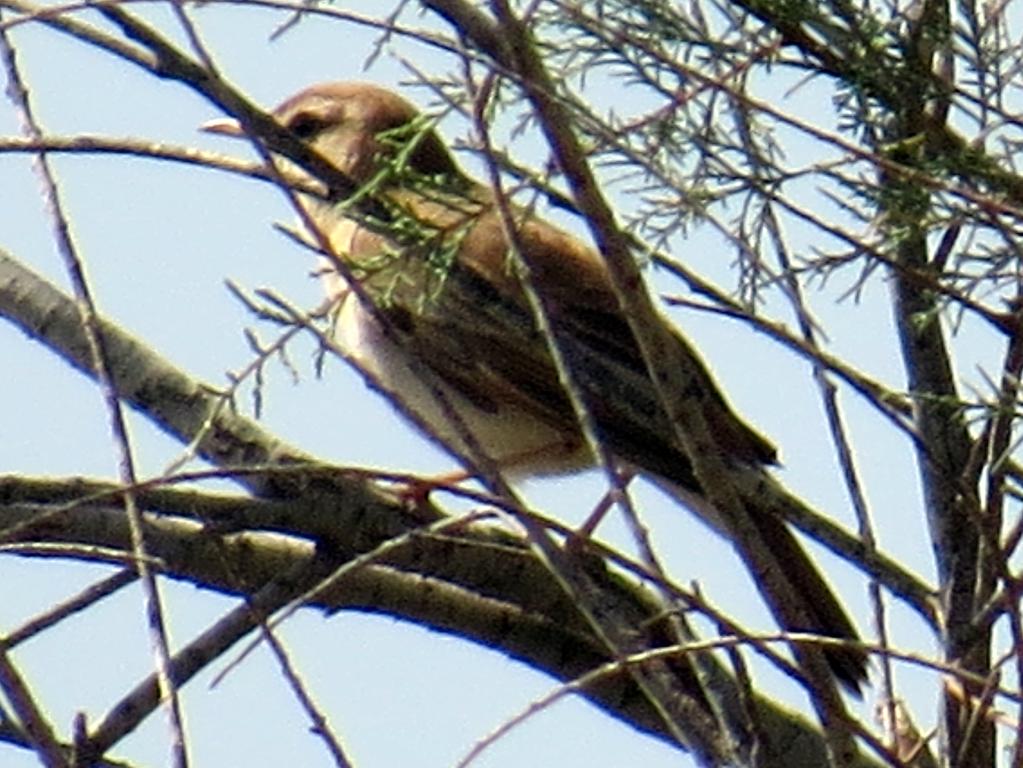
[160, 240]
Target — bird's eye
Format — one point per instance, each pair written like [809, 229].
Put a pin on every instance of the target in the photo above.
[305, 125]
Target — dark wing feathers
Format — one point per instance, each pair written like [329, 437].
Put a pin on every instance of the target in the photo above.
[482, 311]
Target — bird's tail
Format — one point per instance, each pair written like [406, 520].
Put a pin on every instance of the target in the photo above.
[824, 612]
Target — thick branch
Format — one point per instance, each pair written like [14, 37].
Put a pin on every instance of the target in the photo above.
[537, 629]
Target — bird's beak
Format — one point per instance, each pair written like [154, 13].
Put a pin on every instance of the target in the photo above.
[224, 126]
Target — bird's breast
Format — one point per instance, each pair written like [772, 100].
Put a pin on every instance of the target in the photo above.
[518, 441]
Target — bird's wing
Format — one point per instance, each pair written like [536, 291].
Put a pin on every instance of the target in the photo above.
[456, 294]
[593, 333]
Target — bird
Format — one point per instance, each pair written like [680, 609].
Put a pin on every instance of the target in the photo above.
[440, 305]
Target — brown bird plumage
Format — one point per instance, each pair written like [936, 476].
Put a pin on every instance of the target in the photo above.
[453, 302]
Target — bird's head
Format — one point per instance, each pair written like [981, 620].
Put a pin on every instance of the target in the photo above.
[359, 127]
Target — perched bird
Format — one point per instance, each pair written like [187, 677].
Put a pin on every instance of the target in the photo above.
[448, 300]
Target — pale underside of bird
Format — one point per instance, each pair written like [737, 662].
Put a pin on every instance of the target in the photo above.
[448, 311]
